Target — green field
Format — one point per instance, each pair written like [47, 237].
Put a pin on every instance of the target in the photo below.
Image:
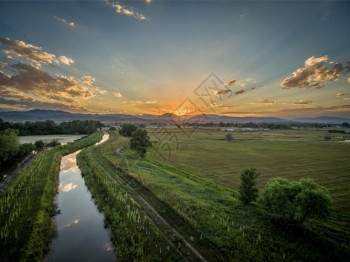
[198, 178]
[292, 154]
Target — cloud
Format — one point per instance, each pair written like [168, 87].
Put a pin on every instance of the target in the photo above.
[32, 53]
[302, 102]
[30, 84]
[148, 1]
[65, 60]
[117, 94]
[313, 73]
[232, 82]
[349, 80]
[264, 101]
[293, 112]
[239, 92]
[341, 94]
[120, 9]
[219, 92]
[64, 21]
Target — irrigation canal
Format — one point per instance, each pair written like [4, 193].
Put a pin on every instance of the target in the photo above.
[81, 233]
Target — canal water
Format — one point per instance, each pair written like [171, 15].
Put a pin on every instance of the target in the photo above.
[81, 233]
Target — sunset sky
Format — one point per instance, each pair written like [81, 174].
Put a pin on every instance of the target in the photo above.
[236, 58]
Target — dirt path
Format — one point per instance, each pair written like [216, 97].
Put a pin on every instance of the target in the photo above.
[163, 226]
[4, 184]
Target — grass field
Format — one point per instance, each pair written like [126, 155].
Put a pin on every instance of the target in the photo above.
[198, 177]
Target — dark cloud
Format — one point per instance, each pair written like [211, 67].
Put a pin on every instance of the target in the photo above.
[239, 92]
[314, 72]
[30, 84]
[232, 82]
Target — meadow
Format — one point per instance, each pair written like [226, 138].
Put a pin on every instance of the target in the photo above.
[197, 177]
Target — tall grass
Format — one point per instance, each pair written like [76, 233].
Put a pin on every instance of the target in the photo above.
[28, 205]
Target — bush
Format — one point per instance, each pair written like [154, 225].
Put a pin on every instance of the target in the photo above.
[39, 144]
[229, 137]
[296, 201]
[327, 138]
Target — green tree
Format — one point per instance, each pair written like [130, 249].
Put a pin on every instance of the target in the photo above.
[296, 201]
[127, 130]
[140, 141]
[248, 192]
[9, 144]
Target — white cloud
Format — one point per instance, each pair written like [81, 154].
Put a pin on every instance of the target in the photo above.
[117, 94]
[313, 73]
[121, 9]
[65, 60]
[64, 21]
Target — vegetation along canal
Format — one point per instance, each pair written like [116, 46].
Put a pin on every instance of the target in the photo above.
[81, 235]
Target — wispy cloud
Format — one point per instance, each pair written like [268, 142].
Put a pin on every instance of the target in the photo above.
[301, 102]
[293, 112]
[64, 21]
[121, 9]
[264, 101]
[341, 94]
[32, 53]
[314, 73]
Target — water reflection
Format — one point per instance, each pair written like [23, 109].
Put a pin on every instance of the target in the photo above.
[67, 187]
[81, 232]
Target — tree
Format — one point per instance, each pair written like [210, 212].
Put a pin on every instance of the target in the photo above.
[140, 141]
[127, 129]
[39, 144]
[9, 144]
[296, 201]
[229, 137]
[247, 189]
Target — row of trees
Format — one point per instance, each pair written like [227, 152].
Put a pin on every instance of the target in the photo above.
[139, 138]
[50, 127]
[294, 201]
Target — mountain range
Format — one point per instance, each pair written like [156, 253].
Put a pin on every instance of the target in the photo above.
[60, 116]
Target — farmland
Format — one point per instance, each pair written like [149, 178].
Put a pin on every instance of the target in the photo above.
[197, 177]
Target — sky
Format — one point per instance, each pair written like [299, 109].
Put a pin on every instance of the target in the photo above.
[235, 58]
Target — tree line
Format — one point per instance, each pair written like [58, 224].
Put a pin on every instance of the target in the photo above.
[49, 127]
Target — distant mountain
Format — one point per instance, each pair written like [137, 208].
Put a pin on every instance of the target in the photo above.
[60, 116]
[323, 120]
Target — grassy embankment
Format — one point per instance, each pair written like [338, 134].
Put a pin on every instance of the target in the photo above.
[134, 236]
[209, 205]
[27, 207]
